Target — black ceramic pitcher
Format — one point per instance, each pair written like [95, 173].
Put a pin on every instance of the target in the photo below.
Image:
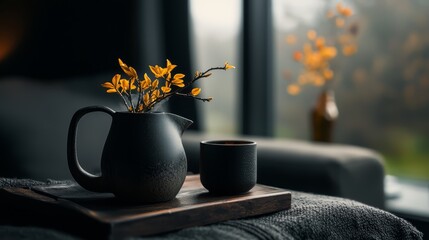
[143, 159]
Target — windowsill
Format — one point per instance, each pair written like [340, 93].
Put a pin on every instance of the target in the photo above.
[407, 197]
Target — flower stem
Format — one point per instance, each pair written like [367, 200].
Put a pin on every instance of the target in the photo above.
[125, 100]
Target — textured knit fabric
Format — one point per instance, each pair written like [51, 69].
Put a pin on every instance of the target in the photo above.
[311, 217]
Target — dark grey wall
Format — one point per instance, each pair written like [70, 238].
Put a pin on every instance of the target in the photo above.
[59, 39]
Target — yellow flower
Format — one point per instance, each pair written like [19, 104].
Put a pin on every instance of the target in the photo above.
[125, 84]
[146, 82]
[170, 66]
[155, 84]
[168, 78]
[297, 56]
[148, 93]
[345, 11]
[166, 89]
[307, 48]
[316, 55]
[291, 39]
[133, 73]
[195, 91]
[318, 80]
[313, 61]
[113, 86]
[178, 80]
[155, 95]
[130, 71]
[328, 73]
[293, 89]
[123, 66]
[328, 52]
[311, 35]
[146, 99]
[320, 42]
[349, 50]
[340, 22]
[158, 71]
[178, 83]
[228, 66]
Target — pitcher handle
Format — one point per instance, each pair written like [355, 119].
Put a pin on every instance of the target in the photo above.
[86, 180]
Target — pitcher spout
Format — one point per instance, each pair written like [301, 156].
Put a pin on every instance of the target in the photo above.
[181, 122]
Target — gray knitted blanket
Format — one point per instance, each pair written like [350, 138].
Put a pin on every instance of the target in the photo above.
[311, 217]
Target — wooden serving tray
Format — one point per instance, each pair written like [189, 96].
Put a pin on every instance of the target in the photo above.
[70, 208]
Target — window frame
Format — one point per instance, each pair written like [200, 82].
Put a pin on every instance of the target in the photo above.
[257, 115]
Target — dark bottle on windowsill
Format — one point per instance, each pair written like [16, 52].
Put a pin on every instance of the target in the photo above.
[323, 117]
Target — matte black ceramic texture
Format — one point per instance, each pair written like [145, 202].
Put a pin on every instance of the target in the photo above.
[228, 167]
[143, 159]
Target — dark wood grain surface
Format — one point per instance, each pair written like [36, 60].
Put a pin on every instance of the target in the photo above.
[71, 208]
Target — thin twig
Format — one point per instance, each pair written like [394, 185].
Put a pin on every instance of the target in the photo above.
[197, 98]
[123, 99]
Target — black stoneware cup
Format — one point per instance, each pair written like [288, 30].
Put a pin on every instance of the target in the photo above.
[228, 167]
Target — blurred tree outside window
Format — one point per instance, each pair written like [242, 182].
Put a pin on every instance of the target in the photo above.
[382, 91]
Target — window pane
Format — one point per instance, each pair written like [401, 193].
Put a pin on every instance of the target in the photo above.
[381, 90]
[215, 38]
